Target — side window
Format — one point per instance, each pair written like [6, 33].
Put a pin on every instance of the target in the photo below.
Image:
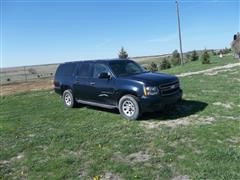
[84, 70]
[69, 69]
[66, 69]
[59, 71]
[99, 68]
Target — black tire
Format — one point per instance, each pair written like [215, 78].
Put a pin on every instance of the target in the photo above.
[129, 107]
[68, 99]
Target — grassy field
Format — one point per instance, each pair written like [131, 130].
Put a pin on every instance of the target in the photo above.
[197, 65]
[198, 139]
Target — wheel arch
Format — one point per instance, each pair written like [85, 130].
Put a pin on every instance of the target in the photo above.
[65, 87]
[124, 93]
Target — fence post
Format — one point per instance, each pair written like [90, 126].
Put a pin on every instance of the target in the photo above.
[25, 74]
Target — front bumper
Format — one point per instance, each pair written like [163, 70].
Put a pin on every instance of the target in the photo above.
[154, 103]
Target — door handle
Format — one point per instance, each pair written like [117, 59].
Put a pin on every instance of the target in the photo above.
[92, 83]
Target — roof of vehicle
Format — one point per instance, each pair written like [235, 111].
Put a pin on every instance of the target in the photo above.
[99, 61]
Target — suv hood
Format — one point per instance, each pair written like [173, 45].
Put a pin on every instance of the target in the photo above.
[150, 78]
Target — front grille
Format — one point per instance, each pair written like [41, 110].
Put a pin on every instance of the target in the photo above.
[169, 88]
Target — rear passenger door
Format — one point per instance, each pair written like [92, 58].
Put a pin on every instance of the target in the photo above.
[82, 81]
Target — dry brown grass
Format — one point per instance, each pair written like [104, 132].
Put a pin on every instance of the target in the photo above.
[14, 88]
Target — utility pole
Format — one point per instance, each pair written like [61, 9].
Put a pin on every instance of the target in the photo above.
[179, 32]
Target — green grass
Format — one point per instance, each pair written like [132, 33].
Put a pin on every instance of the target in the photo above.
[197, 65]
[40, 139]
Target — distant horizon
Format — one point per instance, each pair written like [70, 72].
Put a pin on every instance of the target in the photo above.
[130, 57]
[48, 32]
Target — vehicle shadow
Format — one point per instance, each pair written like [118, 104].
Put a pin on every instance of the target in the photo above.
[182, 109]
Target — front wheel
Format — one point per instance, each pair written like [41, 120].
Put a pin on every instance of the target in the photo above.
[129, 107]
[68, 99]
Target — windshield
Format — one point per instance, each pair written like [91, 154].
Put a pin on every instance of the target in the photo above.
[125, 68]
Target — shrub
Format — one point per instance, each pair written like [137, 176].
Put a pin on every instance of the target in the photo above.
[32, 71]
[220, 52]
[205, 57]
[146, 67]
[153, 67]
[176, 60]
[214, 52]
[226, 50]
[165, 64]
[188, 56]
[123, 54]
[8, 79]
[194, 56]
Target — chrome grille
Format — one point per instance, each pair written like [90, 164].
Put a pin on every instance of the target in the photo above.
[169, 88]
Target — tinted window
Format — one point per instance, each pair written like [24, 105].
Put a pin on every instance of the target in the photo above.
[99, 68]
[66, 69]
[124, 68]
[84, 70]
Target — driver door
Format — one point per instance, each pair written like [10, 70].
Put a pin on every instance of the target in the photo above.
[102, 88]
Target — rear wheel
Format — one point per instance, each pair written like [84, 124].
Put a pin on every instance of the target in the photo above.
[129, 107]
[68, 99]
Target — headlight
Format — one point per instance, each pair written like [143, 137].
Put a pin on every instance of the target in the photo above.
[150, 90]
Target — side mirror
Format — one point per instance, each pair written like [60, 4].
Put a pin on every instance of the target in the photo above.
[104, 75]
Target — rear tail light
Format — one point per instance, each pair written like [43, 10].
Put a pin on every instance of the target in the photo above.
[53, 83]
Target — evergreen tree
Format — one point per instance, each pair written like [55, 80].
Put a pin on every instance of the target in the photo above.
[205, 57]
[153, 67]
[194, 56]
[123, 54]
[176, 60]
[165, 64]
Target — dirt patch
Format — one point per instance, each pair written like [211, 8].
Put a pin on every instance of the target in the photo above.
[236, 79]
[231, 117]
[82, 173]
[210, 91]
[181, 157]
[211, 71]
[225, 105]
[8, 89]
[75, 154]
[215, 72]
[110, 176]
[233, 140]
[13, 159]
[186, 121]
[137, 157]
[181, 177]
[206, 120]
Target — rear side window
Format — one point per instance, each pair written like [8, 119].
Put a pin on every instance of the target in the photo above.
[66, 69]
[84, 70]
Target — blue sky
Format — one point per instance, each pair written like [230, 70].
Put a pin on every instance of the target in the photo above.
[41, 32]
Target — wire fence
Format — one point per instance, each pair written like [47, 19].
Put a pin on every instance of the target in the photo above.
[27, 73]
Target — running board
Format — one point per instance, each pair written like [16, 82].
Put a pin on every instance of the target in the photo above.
[96, 104]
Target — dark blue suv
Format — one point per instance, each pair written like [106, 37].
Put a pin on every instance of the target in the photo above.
[121, 84]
